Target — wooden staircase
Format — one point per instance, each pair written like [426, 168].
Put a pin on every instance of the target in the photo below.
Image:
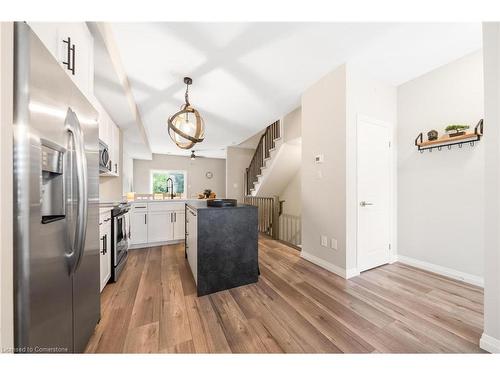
[267, 143]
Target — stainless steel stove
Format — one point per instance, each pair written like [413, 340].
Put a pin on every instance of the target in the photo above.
[120, 236]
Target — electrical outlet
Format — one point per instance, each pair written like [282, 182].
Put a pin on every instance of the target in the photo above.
[333, 244]
[324, 241]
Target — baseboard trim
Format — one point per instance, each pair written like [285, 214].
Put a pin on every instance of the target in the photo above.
[153, 244]
[352, 272]
[490, 344]
[444, 271]
[323, 264]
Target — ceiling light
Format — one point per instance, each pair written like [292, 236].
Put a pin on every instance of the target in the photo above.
[193, 156]
[186, 127]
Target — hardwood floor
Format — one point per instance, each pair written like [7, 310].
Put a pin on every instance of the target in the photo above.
[295, 307]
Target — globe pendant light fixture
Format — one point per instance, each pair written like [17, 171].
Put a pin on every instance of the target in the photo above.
[186, 127]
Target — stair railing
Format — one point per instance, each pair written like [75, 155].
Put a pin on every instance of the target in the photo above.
[290, 230]
[262, 152]
[268, 214]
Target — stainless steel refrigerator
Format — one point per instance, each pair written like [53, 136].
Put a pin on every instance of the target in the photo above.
[56, 197]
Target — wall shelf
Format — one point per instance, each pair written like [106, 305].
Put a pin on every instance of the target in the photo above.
[447, 141]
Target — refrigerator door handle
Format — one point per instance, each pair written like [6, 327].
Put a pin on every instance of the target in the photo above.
[72, 125]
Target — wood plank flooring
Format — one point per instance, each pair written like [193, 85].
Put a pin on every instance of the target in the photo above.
[296, 307]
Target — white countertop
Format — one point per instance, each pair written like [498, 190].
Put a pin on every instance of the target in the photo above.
[165, 200]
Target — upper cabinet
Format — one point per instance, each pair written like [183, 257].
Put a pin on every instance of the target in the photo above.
[73, 46]
[115, 150]
[109, 133]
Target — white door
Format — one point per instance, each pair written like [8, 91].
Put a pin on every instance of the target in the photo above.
[179, 225]
[138, 228]
[160, 226]
[374, 194]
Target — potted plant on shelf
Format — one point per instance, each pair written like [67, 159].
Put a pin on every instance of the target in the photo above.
[456, 130]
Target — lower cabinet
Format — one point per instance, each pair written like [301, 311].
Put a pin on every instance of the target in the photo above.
[160, 228]
[105, 249]
[138, 227]
[192, 242]
[179, 218]
[156, 222]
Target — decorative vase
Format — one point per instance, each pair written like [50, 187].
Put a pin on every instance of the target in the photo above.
[432, 135]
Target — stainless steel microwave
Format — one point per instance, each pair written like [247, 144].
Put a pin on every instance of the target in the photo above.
[104, 162]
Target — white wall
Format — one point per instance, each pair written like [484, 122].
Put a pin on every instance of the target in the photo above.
[292, 128]
[324, 199]
[377, 101]
[6, 194]
[292, 196]
[440, 205]
[330, 109]
[490, 339]
[237, 160]
[196, 173]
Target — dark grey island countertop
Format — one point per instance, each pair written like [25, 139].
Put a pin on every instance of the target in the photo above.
[202, 205]
[221, 246]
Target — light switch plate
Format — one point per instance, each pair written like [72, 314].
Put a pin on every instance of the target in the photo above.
[334, 244]
[324, 241]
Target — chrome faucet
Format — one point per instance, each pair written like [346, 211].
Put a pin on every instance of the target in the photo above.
[171, 187]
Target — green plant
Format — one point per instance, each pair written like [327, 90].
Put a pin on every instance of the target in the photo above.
[456, 128]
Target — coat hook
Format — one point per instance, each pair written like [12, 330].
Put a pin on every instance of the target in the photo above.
[449, 147]
[430, 150]
[460, 145]
[421, 151]
[439, 148]
[472, 144]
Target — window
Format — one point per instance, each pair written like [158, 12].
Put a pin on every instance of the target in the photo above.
[159, 182]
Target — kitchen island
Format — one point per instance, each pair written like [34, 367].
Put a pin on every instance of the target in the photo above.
[221, 246]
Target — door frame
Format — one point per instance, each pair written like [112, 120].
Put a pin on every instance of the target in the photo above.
[392, 187]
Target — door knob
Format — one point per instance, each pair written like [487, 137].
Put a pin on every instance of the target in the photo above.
[364, 204]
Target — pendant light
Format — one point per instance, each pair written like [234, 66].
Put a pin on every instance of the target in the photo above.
[186, 127]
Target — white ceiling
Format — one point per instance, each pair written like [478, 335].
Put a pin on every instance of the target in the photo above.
[246, 75]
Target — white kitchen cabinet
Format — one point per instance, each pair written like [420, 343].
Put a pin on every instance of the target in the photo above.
[109, 133]
[179, 225]
[114, 148]
[105, 248]
[160, 226]
[54, 34]
[103, 123]
[191, 242]
[157, 222]
[138, 227]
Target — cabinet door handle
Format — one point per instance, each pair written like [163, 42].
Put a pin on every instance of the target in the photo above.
[70, 56]
[145, 219]
[116, 168]
[104, 244]
[175, 217]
